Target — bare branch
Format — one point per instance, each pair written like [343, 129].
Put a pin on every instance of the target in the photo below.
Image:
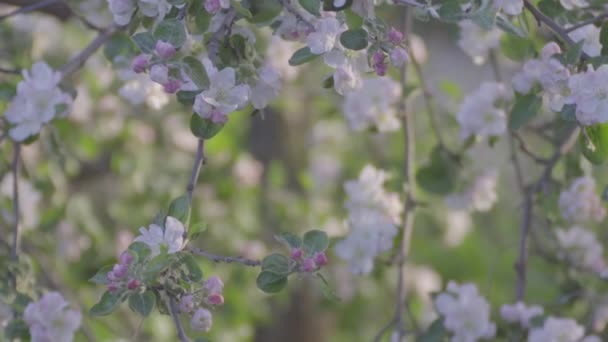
[213, 47]
[289, 7]
[10, 71]
[29, 8]
[79, 60]
[597, 19]
[181, 334]
[58, 9]
[225, 259]
[196, 168]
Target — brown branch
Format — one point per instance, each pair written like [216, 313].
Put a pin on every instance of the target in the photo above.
[599, 18]
[196, 168]
[10, 71]
[526, 150]
[181, 334]
[289, 7]
[78, 61]
[213, 47]
[225, 259]
[15, 246]
[53, 7]
[526, 214]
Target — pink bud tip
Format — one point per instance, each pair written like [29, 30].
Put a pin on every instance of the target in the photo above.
[164, 50]
[132, 284]
[120, 270]
[296, 253]
[321, 259]
[140, 63]
[113, 287]
[216, 299]
[172, 86]
[308, 265]
[214, 285]
[218, 117]
[212, 6]
[395, 36]
[126, 258]
[379, 57]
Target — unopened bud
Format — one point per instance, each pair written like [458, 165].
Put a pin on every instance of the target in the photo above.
[216, 299]
[321, 259]
[296, 253]
[132, 284]
[395, 36]
[308, 265]
[172, 86]
[164, 50]
[140, 63]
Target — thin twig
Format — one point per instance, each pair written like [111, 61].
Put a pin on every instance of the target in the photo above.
[213, 47]
[599, 18]
[526, 214]
[181, 334]
[79, 60]
[10, 71]
[15, 246]
[29, 8]
[412, 3]
[196, 168]
[556, 28]
[225, 259]
[526, 150]
[288, 6]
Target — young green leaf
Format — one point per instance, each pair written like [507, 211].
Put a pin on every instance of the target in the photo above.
[315, 241]
[302, 56]
[107, 304]
[142, 303]
[180, 209]
[355, 39]
[276, 263]
[526, 107]
[270, 282]
[204, 128]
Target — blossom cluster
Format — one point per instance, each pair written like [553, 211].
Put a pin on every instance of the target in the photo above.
[123, 10]
[480, 196]
[197, 304]
[483, 112]
[50, 319]
[372, 217]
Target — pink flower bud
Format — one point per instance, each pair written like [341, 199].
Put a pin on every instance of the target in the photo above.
[296, 253]
[216, 299]
[214, 285]
[399, 56]
[132, 284]
[186, 303]
[395, 36]
[308, 265]
[212, 6]
[218, 117]
[126, 258]
[165, 50]
[120, 270]
[379, 57]
[321, 259]
[111, 277]
[113, 287]
[140, 63]
[172, 86]
[379, 64]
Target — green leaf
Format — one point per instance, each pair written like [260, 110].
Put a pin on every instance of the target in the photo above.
[264, 10]
[517, 48]
[180, 209]
[353, 20]
[171, 31]
[177, 3]
[196, 71]
[450, 12]
[119, 45]
[573, 54]
[107, 304]
[330, 5]
[193, 269]
[435, 333]
[16, 329]
[328, 82]
[315, 241]
[197, 19]
[291, 239]
[311, 6]
[355, 39]
[302, 56]
[276, 263]
[568, 113]
[140, 249]
[240, 9]
[507, 26]
[142, 303]
[187, 97]
[526, 107]
[157, 265]
[145, 41]
[204, 128]
[271, 282]
[439, 175]
[101, 277]
[484, 16]
[604, 38]
[596, 149]
[196, 229]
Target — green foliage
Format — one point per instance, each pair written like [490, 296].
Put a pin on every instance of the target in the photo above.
[204, 128]
[119, 45]
[594, 143]
[107, 304]
[329, 5]
[517, 48]
[354, 39]
[195, 69]
[292, 240]
[315, 241]
[526, 107]
[312, 6]
[171, 31]
[101, 277]
[142, 303]
[276, 263]
[436, 332]
[440, 174]
[145, 41]
[264, 10]
[271, 282]
[302, 56]
[180, 209]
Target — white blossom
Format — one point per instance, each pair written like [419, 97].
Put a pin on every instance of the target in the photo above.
[581, 247]
[122, 10]
[520, 313]
[349, 67]
[325, 36]
[466, 313]
[557, 329]
[154, 8]
[201, 320]
[372, 105]
[266, 88]
[481, 113]
[572, 4]
[172, 237]
[50, 319]
[277, 57]
[590, 35]
[37, 102]
[139, 89]
[223, 95]
[477, 42]
[580, 203]
[589, 91]
[511, 7]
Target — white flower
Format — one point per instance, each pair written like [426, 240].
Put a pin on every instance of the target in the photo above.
[325, 36]
[277, 57]
[50, 319]
[590, 34]
[571, 4]
[172, 237]
[349, 65]
[373, 105]
[223, 94]
[154, 8]
[580, 203]
[557, 330]
[122, 10]
[520, 313]
[37, 102]
[267, 87]
[581, 247]
[477, 42]
[139, 88]
[481, 115]
[511, 7]
[589, 91]
[29, 200]
[159, 73]
[466, 313]
[201, 320]
[368, 192]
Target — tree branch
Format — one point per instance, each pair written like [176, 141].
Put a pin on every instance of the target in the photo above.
[15, 246]
[10, 71]
[225, 259]
[30, 6]
[288, 6]
[181, 334]
[79, 60]
[599, 18]
[196, 168]
[213, 47]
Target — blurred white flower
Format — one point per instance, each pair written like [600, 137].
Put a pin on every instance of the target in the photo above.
[557, 329]
[223, 95]
[572, 4]
[477, 42]
[37, 102]
[579, 203]
[520, 313]
[590, 34]
[50, 319]
[466, 313]
[325, 35]
[122, 10]
[172, 237]
[247, 170]
[458, 226]
[581, 247]
[267, 87]
[372, 105]
[201, 320]
[589, 91]
[277, 57]
[480, 196]
[511, 7]
[480, 113]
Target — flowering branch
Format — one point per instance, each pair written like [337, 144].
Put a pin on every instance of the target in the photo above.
[15, 247]
[526, 214]
[29, 8]
[181, 334]
[291, 9]
[196, 168]
[599, 18]
[225, 259]
[79, 60]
